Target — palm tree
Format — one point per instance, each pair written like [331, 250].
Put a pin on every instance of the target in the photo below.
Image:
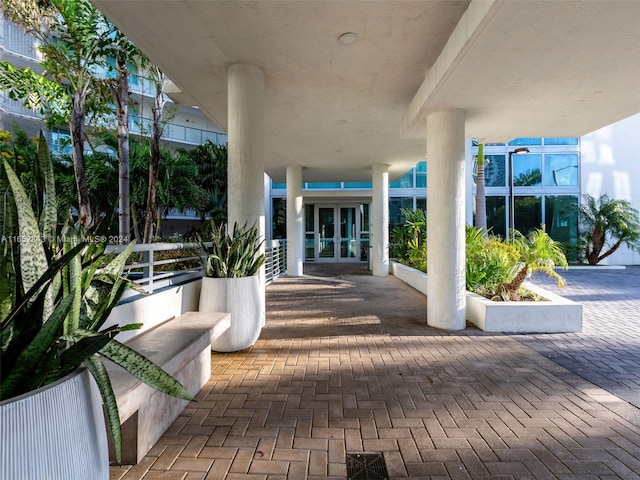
[481, 200]
[606, 219]
[537, 252]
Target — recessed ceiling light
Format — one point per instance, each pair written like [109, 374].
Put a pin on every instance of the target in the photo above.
[348, 38]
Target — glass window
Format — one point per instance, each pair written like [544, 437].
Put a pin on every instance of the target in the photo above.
[527, 214]
[360, 185]
[527, 170]
[525, 141]
[494, 171]
[395, 206]
[421, 175]
[561, 218]
[497, 216]
[561, 141]
[364, 217]
[309, 218]
[406, 181]
[279, 217]
[309, 247]
[276, 185]
[421, 203]
[323, 185]
[561, 170]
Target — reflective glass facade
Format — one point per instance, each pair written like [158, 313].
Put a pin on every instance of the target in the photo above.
[545, 189]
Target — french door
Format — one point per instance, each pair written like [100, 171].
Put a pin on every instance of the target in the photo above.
[337, 233]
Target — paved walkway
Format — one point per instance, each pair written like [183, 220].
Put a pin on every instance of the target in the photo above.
[346, 364]
[607, 352]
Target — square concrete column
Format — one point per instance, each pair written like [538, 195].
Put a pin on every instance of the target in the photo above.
[295, 222]
[245, 167]
[446, 300]
[380, 221]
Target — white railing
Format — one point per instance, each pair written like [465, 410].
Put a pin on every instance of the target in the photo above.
[276, 261]
[149, 266]
[16, 41]
[17, 107]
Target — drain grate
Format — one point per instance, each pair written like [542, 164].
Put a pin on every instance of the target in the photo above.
[366, 466]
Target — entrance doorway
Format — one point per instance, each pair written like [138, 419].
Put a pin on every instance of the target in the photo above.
[338, 233]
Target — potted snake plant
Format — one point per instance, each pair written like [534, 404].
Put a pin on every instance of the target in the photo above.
[232, 284]
[56, 293]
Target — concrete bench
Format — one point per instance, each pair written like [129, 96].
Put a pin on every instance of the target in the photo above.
[182, 347]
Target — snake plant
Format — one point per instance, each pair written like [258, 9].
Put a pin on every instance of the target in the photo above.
[57, 294]
[233, 255]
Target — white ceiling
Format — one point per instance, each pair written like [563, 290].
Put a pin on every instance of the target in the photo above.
[518, 68]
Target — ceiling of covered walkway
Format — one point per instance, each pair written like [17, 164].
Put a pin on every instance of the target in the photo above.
[517, 68]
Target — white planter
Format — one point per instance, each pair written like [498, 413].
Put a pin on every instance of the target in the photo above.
[55, 433]
[243, 298]
[555, 315]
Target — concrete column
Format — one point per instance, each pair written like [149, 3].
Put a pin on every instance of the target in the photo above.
[380, 221]
[245, 168]
[295, 222]
[446, 219]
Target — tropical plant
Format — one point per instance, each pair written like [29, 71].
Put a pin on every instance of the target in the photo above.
[74, 38]
[233, 255]
[489, 262]
[481, 199]
[211, 161]
[537, 252]
[56, 296]
[410, 238]
[605, 224]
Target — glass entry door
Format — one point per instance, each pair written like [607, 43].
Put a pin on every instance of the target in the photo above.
[338, 233]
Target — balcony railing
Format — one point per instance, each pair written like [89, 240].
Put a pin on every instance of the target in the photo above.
[17, 108]
[155, 266]
[14, 40]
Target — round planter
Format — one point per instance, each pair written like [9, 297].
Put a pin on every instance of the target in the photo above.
[56, 432]
[243, 298]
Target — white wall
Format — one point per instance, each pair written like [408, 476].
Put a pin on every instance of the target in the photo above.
[610, 163]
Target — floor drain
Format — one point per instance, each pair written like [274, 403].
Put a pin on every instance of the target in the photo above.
[366, 466]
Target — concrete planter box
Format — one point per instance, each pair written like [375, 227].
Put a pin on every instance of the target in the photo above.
[244, 299]
[56, 432]
[556, 315]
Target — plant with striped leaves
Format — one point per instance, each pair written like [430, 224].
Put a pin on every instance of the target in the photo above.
[57, 293]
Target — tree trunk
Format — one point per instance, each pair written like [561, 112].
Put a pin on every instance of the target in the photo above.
[597, 244]
[481, 198]
[154, 162]
[76, 127]
[122, 111]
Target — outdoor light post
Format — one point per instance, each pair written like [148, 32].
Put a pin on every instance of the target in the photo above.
[512, 222]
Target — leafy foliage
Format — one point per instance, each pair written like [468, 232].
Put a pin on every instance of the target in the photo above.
[211, 161]
[235, 255]
[605, 224]
[409, 241]
[54, 309]
[494, 269]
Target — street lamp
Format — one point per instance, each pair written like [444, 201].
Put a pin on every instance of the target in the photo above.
[512, 221]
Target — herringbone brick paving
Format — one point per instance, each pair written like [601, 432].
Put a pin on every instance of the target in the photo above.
[347, 364]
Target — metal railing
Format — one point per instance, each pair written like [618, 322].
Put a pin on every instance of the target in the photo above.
[17, 107]
[155, 266]
[14, 40]
[276, 260]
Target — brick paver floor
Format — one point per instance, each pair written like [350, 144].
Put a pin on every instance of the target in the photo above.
[607, 352]
[347, 364]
